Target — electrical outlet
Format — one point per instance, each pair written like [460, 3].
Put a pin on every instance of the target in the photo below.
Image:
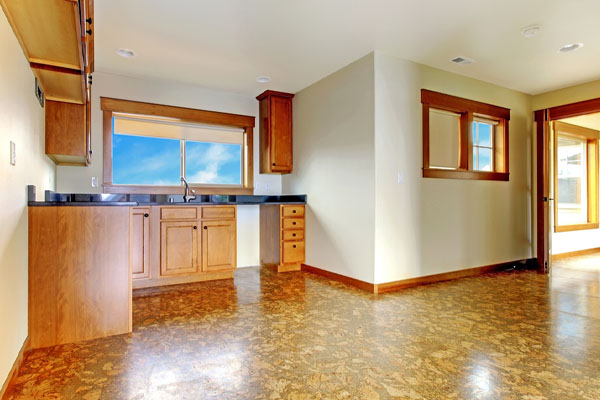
[94, 182]
[400, 178]
[267, 185]
[13, 154]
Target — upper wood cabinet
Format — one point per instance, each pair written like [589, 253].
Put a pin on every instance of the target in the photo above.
[276, 145]
[57, 39]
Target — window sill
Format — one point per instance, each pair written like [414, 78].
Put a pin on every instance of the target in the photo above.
[135, 189]
[462, 174]
[578, 227]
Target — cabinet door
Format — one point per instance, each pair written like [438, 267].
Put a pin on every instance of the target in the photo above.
[178, 247]
[140, 242]
[218, 245]
[281, 134]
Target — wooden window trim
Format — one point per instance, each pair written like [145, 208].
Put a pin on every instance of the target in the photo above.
[468, 109]
[591, 137]
[247, 123]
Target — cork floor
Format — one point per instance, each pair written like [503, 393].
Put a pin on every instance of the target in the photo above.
[512, 335]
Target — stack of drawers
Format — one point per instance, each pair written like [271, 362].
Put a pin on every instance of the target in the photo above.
[282, 236]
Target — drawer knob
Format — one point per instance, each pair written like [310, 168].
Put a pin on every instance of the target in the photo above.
[205, 227]
[195, 227]
[294, 235]
[294, 211]
[146, 215]
[294, 222]
[273, 164]
[294, 246]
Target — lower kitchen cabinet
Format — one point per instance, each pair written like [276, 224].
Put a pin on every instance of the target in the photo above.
[178, 247]
[282, 236]
[218, 245]
[140, 242]
[185, 244]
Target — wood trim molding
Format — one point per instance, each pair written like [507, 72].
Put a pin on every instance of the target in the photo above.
[181, 113]
[574, 109]
[387, 287]
[461, 174]
[462, 105]
[14, 371]
[576, 253]
[366, 286]
[576, 227]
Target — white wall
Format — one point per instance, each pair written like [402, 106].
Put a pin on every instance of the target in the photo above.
[334, 165]
[426, 226]
[78, 179]
[21, 121]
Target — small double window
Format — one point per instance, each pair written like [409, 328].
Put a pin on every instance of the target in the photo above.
[464, 139]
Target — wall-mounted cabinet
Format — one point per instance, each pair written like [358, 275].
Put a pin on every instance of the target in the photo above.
[276, 144]
[57, 39]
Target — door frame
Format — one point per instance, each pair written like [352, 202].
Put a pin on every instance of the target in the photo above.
[542, 120]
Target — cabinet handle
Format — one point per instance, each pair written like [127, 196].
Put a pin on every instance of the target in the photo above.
[89, 32]
[294, 222]
[89, 20]
[205, 227]
[146, 215]
[294, 211]
[294, 246]
[294, 235]
[195, 227]
[273, 164]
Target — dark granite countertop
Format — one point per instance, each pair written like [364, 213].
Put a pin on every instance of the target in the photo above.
[106, 199]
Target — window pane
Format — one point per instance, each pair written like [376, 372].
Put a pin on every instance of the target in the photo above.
[485, 159]
[443, 139]
[572, 181]
[213, 163]
[485, 135]
[140, 160]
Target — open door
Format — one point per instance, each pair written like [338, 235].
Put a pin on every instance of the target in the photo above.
[543, 190]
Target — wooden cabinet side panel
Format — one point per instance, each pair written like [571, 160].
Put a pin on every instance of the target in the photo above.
[79, 274]
[65, 129]
[270, 231]
[264, 138]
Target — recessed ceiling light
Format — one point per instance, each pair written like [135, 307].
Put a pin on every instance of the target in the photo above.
[462, 60]
[567, 48]
[531, 31]
[263, 79]
[126, 53]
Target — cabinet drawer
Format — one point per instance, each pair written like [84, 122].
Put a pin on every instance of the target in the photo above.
[293, 252]
[218, 212]
[292, 211]
[293, 235]
[178, 213]
[293, 223]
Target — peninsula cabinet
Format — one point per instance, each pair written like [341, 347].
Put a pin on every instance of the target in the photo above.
[185, 244]
[276, 144]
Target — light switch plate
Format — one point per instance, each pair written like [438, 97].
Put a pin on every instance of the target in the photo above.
[94, 182]
[13, 154]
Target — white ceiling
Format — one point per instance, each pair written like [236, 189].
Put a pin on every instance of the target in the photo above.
[226, 44]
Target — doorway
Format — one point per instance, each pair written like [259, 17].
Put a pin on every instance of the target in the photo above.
[567, 186]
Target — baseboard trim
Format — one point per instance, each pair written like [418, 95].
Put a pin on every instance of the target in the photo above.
[423, 280]
[14, 371]
[568, 254]
[369, 287]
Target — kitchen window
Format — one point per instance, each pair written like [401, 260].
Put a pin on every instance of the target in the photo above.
[148, 148]
[464, 139]
[575, 177]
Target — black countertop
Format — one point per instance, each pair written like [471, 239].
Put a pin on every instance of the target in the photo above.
[107, 199]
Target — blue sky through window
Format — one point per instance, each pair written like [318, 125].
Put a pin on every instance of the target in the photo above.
[216, 163]
[141, 160]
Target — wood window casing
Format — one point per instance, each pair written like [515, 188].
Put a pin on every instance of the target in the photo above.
[468, 111]
[590, 137]
[110, 106]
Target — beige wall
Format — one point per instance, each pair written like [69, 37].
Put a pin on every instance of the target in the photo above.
[426, 226]
[334, 165]
[78, 179]
[21, 121]
[586, 91]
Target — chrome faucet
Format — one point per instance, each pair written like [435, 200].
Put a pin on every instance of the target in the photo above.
[186, 196]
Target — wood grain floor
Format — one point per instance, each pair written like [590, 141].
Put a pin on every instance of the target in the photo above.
[513, 335]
